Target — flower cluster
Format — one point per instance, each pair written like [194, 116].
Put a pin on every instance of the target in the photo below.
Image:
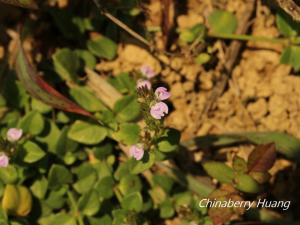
[159, 109]
[154, 109]
[13, 135]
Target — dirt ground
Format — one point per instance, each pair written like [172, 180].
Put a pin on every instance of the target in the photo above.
[262, 94]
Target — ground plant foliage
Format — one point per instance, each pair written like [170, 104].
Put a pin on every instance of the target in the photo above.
[157, 112]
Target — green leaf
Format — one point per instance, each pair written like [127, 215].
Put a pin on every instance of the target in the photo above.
[56, 198]
[40, 106]
[87, 177]
[202, 58]
[189, 35]
[182, 199]
[169, 141]
[222, 22]
[239, 164]
[246, 183]
[219, 171]
[88, 58]
[127, 109]
[50, 135]
[199, 185]
[58, 176]
[143, 164]
[83, 24]
[86, 99]
[39, 187]
[290, 56]
[105, 187]
[167, 210]
[60, 218]
[32, 152]
[133, 201]
[104, 220]
[286, 25]
[9, 175]
[124, 169]
[124, 83]
[130, 183]
[103, 169]
[89, 203]
[121, 215]
[103, 151]
[164, 181]
[64, 144]
[87, 133]
[32, 123]
[128, 133]
[103, 47]
[66, 63]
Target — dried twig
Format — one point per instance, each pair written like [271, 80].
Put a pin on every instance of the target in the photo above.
[121, 24]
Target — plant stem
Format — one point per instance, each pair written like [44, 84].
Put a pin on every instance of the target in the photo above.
[75, 208]
[244, 37]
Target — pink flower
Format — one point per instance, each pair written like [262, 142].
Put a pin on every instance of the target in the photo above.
[143, 83]
[14, 134]
[147, 71]
[136, 151]
[4, 160]
[162, 93]
[159, 110]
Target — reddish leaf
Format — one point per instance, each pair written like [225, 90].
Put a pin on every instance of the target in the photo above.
[262, 158]
[41, 90]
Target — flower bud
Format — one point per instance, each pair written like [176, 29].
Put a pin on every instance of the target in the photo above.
[14, 134]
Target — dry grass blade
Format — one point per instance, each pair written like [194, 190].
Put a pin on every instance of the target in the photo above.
[102, 89]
